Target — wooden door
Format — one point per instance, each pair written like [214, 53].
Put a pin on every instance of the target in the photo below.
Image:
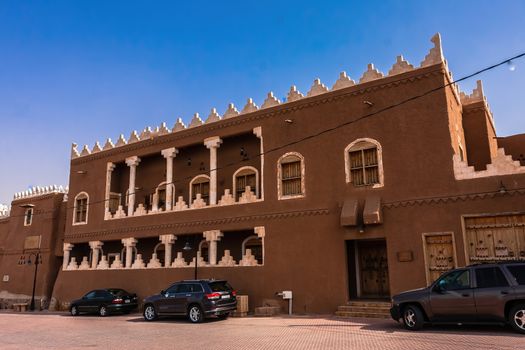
[439, 254]
[495, 238]
[373, 269]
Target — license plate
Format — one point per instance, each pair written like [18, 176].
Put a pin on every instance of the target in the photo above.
[127, 301]
[227, 296]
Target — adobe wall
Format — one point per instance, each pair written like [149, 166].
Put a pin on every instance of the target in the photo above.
[44, 224]
[515, 146]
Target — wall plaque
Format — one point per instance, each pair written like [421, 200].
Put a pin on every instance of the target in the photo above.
[405, 256]
[32, 242]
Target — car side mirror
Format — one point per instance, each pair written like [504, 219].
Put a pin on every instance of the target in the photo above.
[163, 292]
[439, 287]
[84, 298]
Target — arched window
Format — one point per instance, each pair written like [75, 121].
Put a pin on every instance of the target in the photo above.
[245, 176]
[80, 212]
[200, 184]
[160, 250]
[255, 244]
[203, 249]
[290, 173]
[160, 195]
[364, 163]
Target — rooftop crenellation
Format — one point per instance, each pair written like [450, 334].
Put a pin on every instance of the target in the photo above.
[4, 210]
[434, 56]
[40, 190]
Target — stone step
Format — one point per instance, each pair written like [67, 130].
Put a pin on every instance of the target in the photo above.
[378, 309]
[351, 314]
[368, 303]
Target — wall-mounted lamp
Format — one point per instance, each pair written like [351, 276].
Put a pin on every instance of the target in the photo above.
[81, 172]
[289, 121]
[244, 154]
[502, 188]
[368, 103]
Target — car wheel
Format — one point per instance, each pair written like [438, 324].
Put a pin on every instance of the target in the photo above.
[195, 314]
[413, 318]
[149, 313]
[103, 311]
[517, 318]
[74, 310]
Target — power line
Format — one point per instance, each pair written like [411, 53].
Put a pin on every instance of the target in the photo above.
[328, 130]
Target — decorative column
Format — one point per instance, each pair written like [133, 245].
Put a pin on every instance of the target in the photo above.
[258, 132]
[67, 254]
[129, 244]
[95, 248]
[169, 154]
[132, 162]
[109, 169]
[168, 241]
[212, 237]
[212, 143]
[260, 231]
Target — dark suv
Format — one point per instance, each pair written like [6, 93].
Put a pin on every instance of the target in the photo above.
[484, 293]
[195, 299]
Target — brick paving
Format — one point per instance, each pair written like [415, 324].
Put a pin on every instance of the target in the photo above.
[52, 331]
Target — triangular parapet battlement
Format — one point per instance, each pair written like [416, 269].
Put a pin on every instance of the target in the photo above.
[435, 56]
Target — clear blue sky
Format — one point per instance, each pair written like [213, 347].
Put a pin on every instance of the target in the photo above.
[81, 71]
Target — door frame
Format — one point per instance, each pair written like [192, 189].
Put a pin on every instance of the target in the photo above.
[430, 234]
[380, 240]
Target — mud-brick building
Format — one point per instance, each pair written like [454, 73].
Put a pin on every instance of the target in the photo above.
[361, 190]
[32, 230]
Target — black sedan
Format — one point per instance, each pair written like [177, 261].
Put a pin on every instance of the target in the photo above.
[104, 302]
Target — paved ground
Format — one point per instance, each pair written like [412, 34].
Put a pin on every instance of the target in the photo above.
[41, 331]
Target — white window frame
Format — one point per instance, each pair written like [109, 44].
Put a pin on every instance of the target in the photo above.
[361, 144]
[164, 183]
[25, 216]
[280, 195]
[238, 172]
[75, 208]
[191, 185]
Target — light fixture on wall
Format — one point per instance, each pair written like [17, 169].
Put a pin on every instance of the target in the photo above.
[502, 188]
[244, 154]
[289, 121]
[368, 103]
[81, 172]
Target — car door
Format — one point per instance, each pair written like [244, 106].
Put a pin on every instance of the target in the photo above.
[492, 291]
[184, 294]
[452, 297]
[166, 304]
[85, 304]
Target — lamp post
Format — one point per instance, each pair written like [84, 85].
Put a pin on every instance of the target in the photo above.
[187, 247]
[38, 260]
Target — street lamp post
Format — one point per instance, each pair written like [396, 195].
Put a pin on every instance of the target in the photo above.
[187, 247]
[38, 260]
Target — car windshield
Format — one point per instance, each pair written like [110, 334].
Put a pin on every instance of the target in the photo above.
[220, 286]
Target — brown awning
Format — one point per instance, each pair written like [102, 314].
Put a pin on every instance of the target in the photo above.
[372, 213]
[349, 213]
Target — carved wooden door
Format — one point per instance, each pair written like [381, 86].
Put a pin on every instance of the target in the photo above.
[440, 255]
[373, 268]
[495, 238]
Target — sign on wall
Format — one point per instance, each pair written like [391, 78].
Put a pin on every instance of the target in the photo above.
[32, 242]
